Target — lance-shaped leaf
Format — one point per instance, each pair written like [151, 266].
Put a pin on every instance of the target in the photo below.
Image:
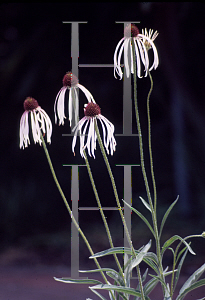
[166, 215]
[142, 217]
[179, 268]
[122, 289]
[117, 250]
[97, 270]
[145, 203]
[137, 260]
[98, 294]
[191, 288]
[114, 250]
[192, 283]
[172, 240]
[150, 285]
[84, 281]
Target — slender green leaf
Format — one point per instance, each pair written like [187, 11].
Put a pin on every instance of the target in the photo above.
[136, 261]
[97, 270]
[145, 275]
[179, 268]
[98, 294]
[191, 288]
[84, 281]
[114, 250]
[172, 240]
[145, 203]
[126, 290]
[181, 252]
[171, 249]
[167, 295]
[150, 285]
[166, 215]
[192, 279]
[150, 263]
[142, 217]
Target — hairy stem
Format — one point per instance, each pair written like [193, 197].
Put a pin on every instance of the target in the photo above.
[150, 146]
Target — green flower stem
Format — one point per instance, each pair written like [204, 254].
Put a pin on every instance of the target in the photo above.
[175, 260]
[102, 213]
[118, 202]
[150, 147]
[68, 207]
[154, 218]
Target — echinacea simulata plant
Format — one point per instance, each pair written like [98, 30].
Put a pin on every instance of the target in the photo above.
[137, 62]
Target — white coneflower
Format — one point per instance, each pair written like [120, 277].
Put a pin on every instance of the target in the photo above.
[40, 121]
[92, 112]
[70, 82]
[141, 51]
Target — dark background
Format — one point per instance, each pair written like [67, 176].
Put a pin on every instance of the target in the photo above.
[35, 53]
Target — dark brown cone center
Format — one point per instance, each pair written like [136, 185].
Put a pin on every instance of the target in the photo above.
[30, 104]
[92, 110]
[70, 80]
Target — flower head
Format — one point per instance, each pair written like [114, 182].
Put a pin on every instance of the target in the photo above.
[142, 43]
[92, 113]
[70, 82]
[40, 121]
[150, 35]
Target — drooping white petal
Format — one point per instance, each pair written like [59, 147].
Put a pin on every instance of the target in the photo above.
[117, 67]
[35, 127]
[110, 134]
[82, 137]
[76, 106]
[70, 104]
[75, 130]
[138, 62]
[104, 134]
[90, 137]
[126, 59]
[59, 106]
[88, 95]
[44, 119]
[24, 130]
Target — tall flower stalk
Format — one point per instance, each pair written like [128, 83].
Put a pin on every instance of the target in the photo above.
[153, 212]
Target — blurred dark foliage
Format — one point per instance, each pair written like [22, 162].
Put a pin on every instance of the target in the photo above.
[35, 53]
